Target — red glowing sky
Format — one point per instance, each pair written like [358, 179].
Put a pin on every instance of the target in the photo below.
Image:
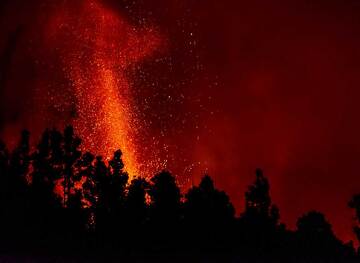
[224, 86]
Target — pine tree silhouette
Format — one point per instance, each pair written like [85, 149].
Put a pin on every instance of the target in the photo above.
[86, 171]
[209, 213]
[207, 204]
[4, 173]
[136, 208]
[117, 183]
[165, 198]
[71, 155]
[258, 224]
[100, 195]
[57, 199]
[44, 203]
[258, 206]
[16, 208]
[165, 209]
[354, 203]
[316, 238]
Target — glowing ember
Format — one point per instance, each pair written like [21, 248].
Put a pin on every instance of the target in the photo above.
[97, 46]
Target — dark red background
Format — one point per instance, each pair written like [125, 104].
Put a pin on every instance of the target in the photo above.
[268, 84]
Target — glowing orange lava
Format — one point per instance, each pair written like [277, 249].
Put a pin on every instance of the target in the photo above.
[97, 46]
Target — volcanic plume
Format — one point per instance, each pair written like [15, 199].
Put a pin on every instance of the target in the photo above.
[96, 46]
[194, 85]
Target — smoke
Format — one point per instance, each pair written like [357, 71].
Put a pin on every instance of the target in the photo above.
[240, 85]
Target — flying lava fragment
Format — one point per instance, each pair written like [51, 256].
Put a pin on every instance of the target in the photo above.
[96, 46]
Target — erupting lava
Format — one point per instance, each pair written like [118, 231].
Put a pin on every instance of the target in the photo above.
[96, 47]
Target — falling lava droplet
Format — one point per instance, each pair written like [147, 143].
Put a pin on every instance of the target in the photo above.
[97, 46]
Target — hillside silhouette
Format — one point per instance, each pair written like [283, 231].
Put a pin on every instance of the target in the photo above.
[58, 200]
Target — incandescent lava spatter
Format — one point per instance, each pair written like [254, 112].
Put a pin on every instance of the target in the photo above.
[96, 47]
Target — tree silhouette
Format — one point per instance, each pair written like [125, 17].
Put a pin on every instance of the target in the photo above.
[117, 183]
[209, 213]
[355, 204]
[314, 223]
[76, 219]
[4, 169]
[165, 198]
[71, 155]
[44, 203]
[261, 234]
[207, 204]
[316, 238]
[165, 209]
[5, 192]
[108, 189]
[86, 171]
[57, 199]
[135, 203]
[135, 213]
[43, 176]
[258, 206]
[16, 207]
[4, 159]
[20, 159]
[99, 193]
[57, 156]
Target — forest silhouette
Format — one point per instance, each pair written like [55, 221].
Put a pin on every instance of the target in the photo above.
[58, 200]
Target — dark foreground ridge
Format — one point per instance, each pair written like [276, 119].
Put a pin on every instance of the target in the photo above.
[59, 204]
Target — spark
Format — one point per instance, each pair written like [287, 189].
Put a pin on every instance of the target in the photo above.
[97, 47]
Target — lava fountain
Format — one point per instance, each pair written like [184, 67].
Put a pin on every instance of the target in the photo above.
[96, 47]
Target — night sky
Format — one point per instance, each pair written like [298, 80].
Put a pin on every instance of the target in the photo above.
[199, 86]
